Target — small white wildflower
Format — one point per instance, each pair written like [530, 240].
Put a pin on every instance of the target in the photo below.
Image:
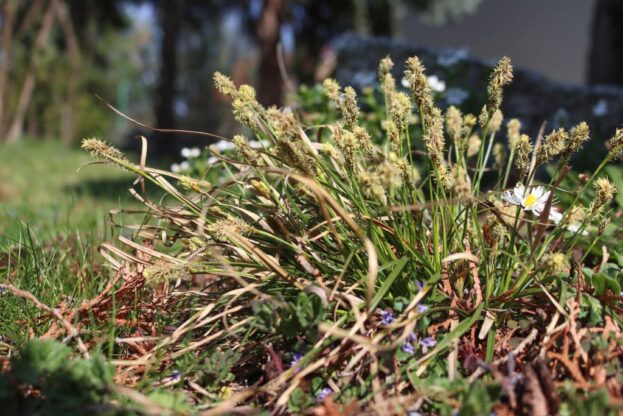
[255, 144]
[456, 96]
[190, 153]
[223, 145]
[530, 199]
[175, 168]
[404, 82]
[185, 165]
[556, 216]
[601, 108]
[436, 84]
[212, 160]
[574, 228]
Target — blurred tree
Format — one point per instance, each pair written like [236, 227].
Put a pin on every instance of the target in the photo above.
[170, 22]
[50, 65]
[605, 59]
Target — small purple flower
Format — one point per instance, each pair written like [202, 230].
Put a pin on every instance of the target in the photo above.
[408, 348]
[427, 343]
[387, 317]
[176, 375]
[323, 394]
[422, 309]
[419, 285]
[297, 357]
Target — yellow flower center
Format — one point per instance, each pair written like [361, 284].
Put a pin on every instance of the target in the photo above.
[529, 201]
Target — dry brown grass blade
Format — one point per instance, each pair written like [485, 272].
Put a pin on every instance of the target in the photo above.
[71, 330]
[268, 260]
[151, 252]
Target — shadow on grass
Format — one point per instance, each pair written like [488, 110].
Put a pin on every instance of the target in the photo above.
[107, 189]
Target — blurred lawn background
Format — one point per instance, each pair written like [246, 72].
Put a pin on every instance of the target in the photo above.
[45, 189]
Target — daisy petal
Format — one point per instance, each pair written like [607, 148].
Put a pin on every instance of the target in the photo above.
[509, 196]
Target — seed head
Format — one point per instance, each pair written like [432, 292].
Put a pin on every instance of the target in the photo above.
[371, 184]
[244, 114]
[220, 229]
[603, 224]
[260, 187]
[616, 144]
[410, 174]
[555, 262]
[577, 215]
[247, 94]
[604, 191]
[418, 84]
[501, 76]
[388, 85]
[454, 123]
[246, 152]
[363, 137]
[524, 152]
[188, 184]
[473, 145]
[579, 135]
[393, 134]
[461, 185]
[400, 110]
[469, 121]
[385, 66]
[346, 142]
[332, 90]
[513, 130]
[553, 144]
[499, 155]
[330, 150]
[389, 175]
[349, 108]
[225, 85]
[495, 121]
[101, 150]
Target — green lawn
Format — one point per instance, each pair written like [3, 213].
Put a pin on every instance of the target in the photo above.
[44, 188]
[53, 216]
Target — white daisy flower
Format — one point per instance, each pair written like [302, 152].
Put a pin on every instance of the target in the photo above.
[185, 165]
[175, 168]
[185, 152]
[534, 200]
[530, 199]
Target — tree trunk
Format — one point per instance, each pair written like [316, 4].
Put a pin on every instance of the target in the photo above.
[7, 12]
[271, 86]
[605, 60]
[165, 113]
[68, 122]
[17, 125]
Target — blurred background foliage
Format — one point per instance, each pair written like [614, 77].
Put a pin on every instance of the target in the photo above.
[153, 59]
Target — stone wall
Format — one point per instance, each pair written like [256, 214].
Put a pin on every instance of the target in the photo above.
[531, 97]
